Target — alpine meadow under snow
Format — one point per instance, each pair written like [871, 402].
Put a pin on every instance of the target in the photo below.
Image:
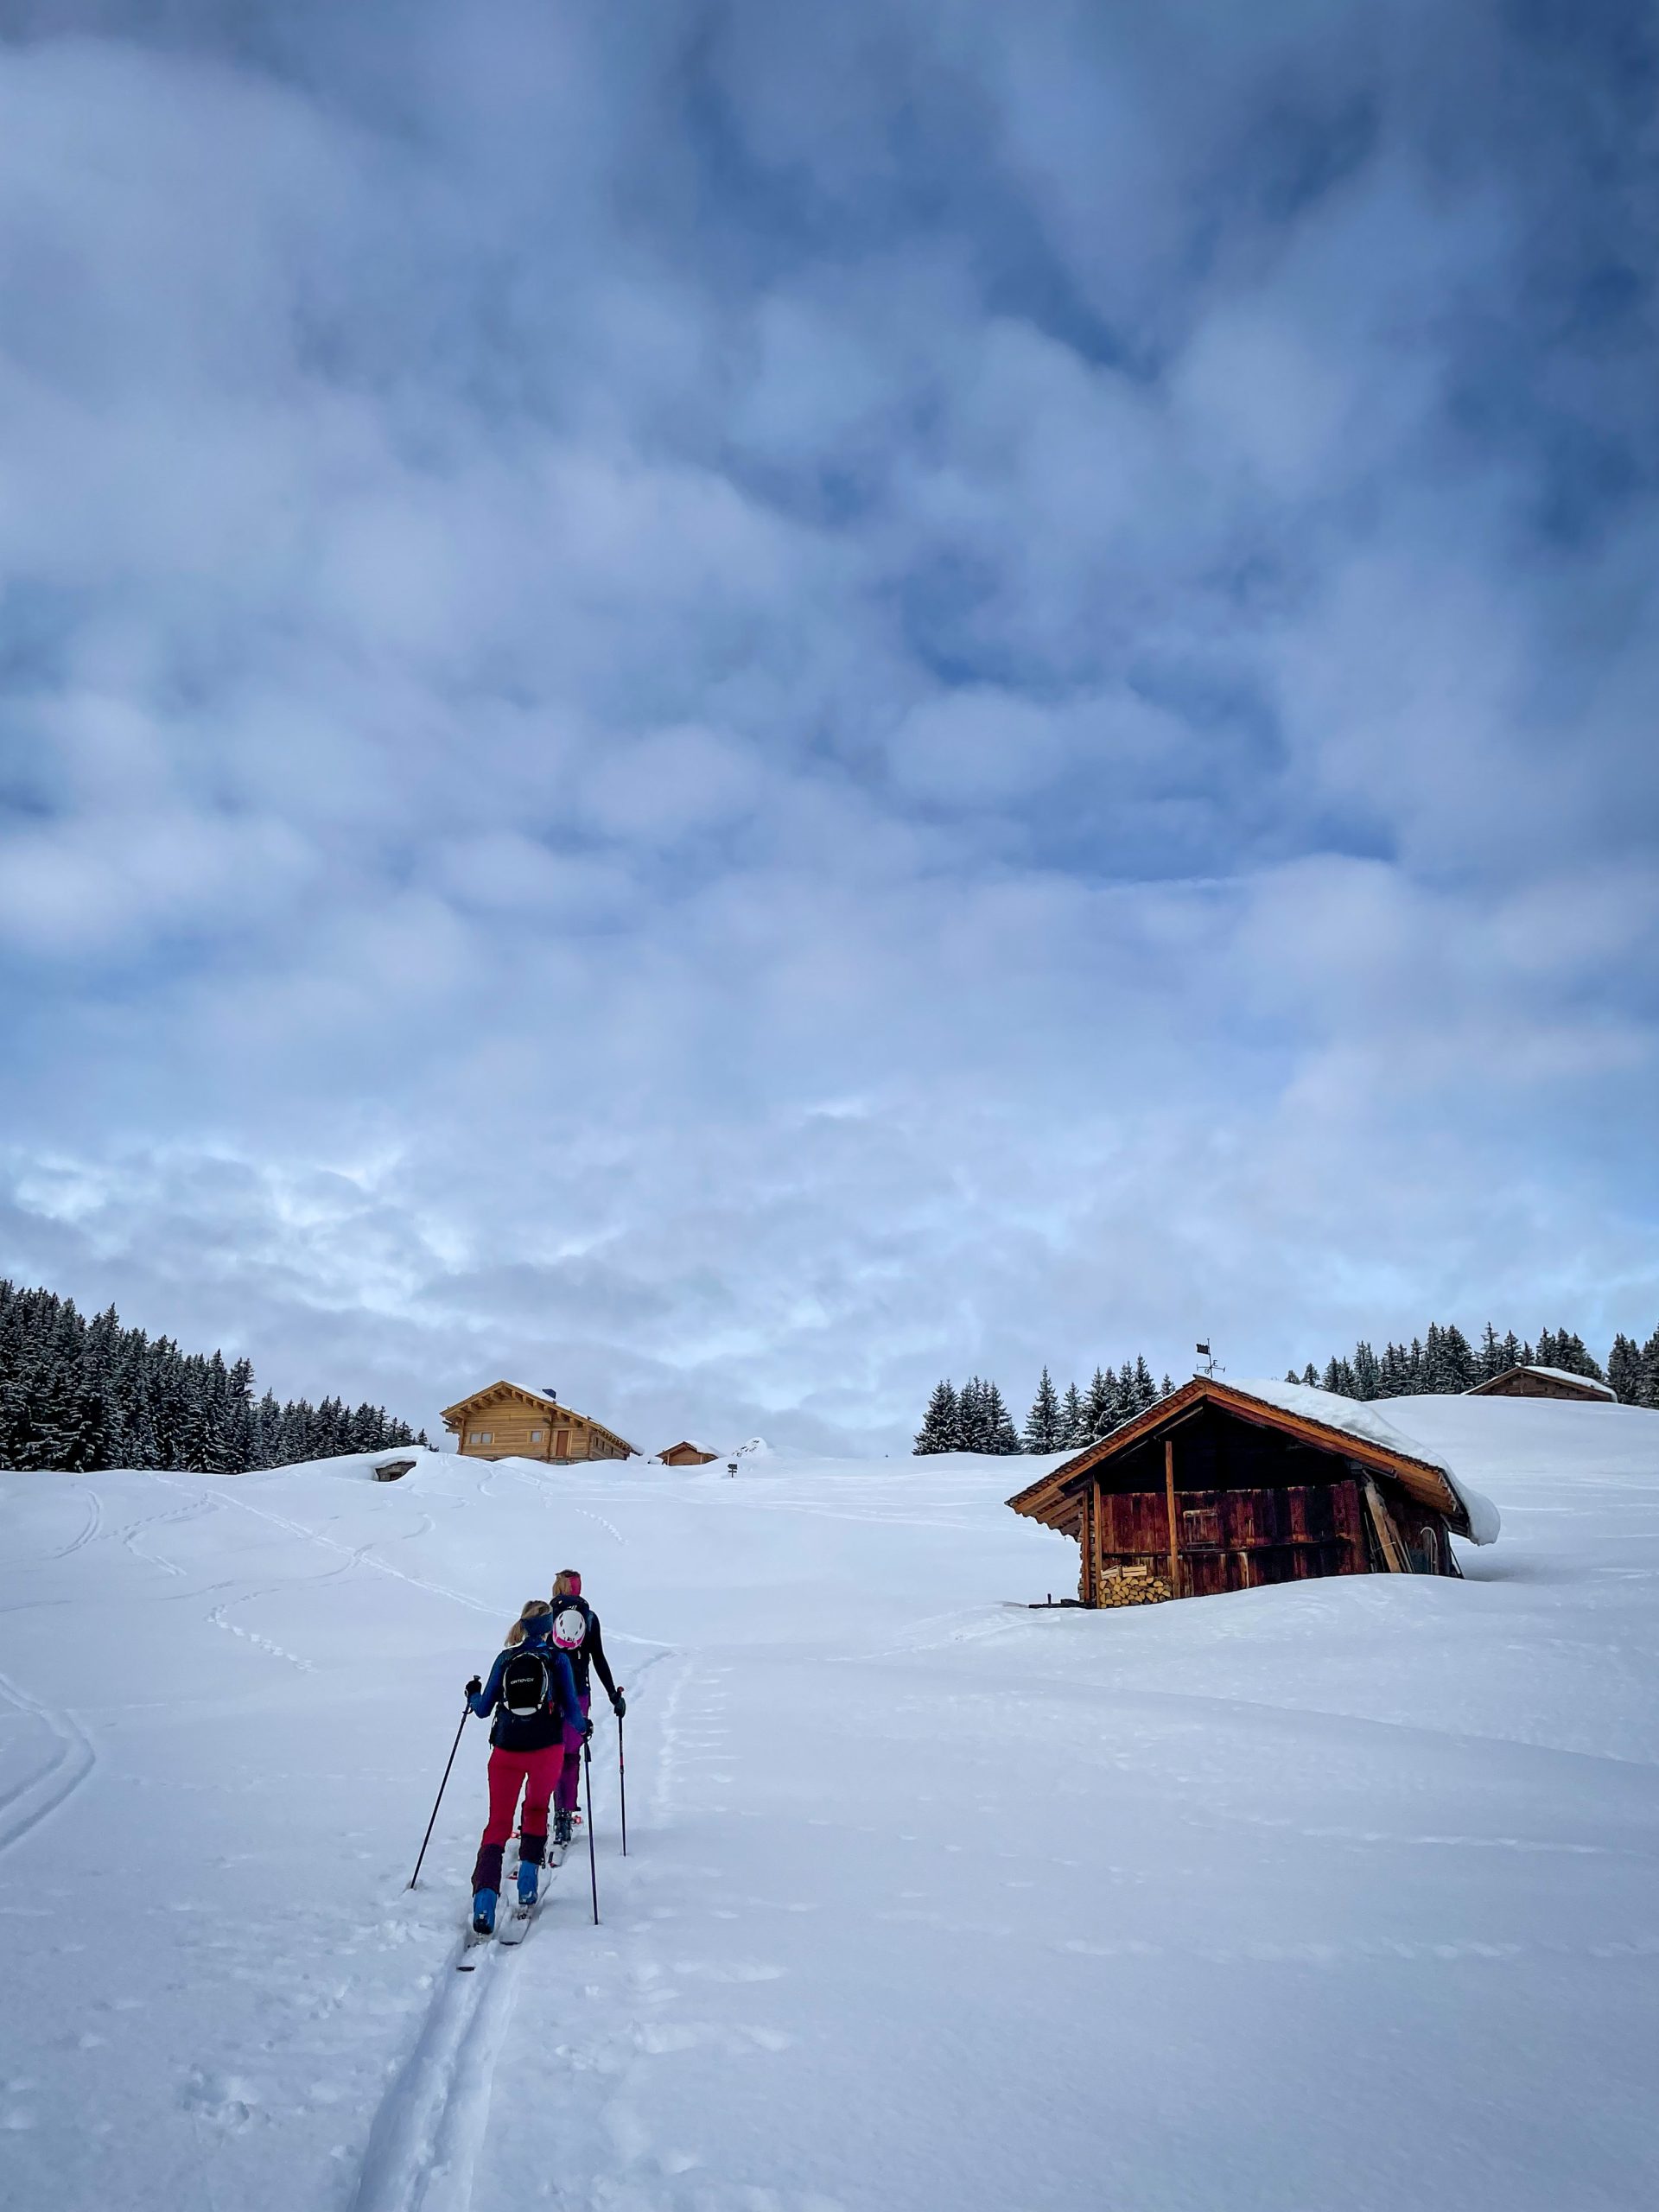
[1336, 1893]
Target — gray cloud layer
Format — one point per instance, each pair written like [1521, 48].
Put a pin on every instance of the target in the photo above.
[734, 705]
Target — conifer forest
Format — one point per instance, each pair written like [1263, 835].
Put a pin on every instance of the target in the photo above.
[76, 1396]
[1441, 1361]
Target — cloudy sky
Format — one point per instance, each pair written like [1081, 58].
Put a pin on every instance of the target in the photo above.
[733, 704]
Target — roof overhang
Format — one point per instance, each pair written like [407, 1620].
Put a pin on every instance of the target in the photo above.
[464, 1407]
[1051, 1497]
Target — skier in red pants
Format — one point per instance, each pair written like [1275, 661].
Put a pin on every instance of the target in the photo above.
[539, 1719]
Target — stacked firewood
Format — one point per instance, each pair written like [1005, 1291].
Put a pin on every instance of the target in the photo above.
[1132, 1586]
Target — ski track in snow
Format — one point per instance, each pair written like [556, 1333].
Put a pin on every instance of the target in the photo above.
[356, 1554]
[552, 1500]
[94, 1527]
[24, 1808]
[423, 2145]
[197, 1506]
[217, 1619]
[426, 2138]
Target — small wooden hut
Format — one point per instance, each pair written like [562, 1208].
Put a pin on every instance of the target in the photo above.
[509, 1421]
[1545, 1382]
[686, 1454]
[1216, 1488]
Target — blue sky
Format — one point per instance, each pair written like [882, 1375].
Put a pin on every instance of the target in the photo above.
[732, 706]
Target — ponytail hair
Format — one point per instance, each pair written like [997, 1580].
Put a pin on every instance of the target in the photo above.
[530, 1611]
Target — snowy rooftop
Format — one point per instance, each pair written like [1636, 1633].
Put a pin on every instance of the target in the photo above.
[1565, 1375]
[1392, 1430]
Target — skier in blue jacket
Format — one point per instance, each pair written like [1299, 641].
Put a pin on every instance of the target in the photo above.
[538, 1716]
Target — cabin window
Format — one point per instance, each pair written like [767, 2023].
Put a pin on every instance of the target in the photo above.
[535, 1435]
[482, 1436]
[1431, 1550]
[1201, 1525]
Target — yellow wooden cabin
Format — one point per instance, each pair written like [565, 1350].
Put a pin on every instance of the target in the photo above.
[685, 1454]
[509, 1421]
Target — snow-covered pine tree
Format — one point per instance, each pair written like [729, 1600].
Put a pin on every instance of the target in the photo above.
[1310, 1376]
[1366, 1381]
[241, 1429]
[970, 1415]
[1043, 1421]
[1649, 1393]
[1071, 1420]
[1568, 1351]
[1457, 1361]
[1625, 1369]
[941, 1429]
[1434, 1368]
[1003, 1438]
[1100, 1406]
[1145, 1389]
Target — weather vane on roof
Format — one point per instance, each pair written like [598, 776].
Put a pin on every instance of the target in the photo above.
[1206, 1359]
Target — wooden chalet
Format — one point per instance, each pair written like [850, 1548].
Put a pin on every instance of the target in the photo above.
[686, 1454]
[1217, 1488]
[508, 1420]
[1545, 1382]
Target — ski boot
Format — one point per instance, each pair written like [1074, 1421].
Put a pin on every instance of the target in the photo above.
[528, 1881]
[484, 1903]
[561, 1828]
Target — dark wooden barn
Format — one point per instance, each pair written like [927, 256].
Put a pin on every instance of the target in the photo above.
[1545, 1382]
[1215, 1489]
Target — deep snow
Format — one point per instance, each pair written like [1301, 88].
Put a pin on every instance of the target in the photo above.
[1340, 1894]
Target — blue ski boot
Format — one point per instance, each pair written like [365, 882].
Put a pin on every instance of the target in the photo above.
[528, 1873]
[484, 1912]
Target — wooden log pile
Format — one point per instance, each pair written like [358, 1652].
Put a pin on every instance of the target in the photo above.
[1133, 1586]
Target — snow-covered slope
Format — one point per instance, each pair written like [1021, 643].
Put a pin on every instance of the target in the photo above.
[1336, 1895]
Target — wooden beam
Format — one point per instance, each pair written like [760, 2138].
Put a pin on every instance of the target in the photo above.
[1388, 1535]
[1169, 1500]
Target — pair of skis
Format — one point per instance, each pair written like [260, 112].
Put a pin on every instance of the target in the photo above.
[511, 1931]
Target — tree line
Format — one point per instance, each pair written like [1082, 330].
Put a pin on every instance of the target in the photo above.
[976, 1418]
[78, 1394]
[1444, 1360]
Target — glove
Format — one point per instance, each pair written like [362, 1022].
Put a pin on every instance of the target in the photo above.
[618, 1705]
[475, 1687]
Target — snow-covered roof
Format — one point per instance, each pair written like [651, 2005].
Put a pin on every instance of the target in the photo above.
[528, 1390]
[1584, 1381]
[1356, 1418]
[690, 1443]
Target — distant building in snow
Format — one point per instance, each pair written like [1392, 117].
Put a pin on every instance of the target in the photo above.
[1224, 1486]
[510, 1420]
[687, 1454]
[1544, 1382]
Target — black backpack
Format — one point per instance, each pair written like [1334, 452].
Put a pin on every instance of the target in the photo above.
[527, 1683]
